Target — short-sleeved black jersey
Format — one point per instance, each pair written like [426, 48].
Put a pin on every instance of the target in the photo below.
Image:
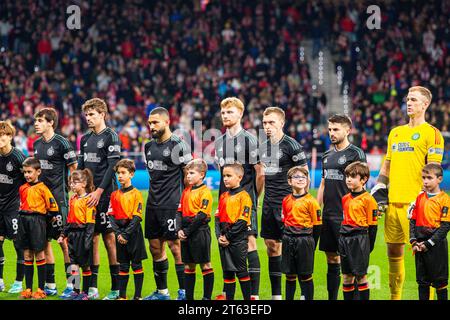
[165, 164]
[55, 155]
[11, 178]
[333, 171]
[277, 160]
[95, 151]
[242, 148]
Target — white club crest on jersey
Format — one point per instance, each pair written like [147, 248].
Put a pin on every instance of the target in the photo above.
[50, 151]
[100, 144]
[342, 159]
[166, 152]
[238, 147]
[9, 167]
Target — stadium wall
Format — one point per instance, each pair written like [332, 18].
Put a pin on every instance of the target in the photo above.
[141, 180]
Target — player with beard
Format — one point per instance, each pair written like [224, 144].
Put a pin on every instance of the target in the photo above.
[99, 152]
[166, 156]
[331, 190]
[238, 145]
[11, 178]
[57, 157]
[278, 154]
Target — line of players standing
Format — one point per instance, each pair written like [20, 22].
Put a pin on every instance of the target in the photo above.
[100, 151]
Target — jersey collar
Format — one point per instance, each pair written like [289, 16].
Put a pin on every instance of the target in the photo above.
[49, 140]
[127, 189]
[9, 153]
[97, 134]
[235, 191]
[197, 187]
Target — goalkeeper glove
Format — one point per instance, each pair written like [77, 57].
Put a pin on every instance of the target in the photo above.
[380, 193]
[411, 208]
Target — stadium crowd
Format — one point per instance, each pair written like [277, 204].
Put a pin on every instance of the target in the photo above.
[187, 58]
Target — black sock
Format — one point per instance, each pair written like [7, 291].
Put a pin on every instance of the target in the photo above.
[2, 259]
[254, 269]
[307, 287]
[29, 272]
[333, 280]
[275, 275]
[124, 275]
[349, 291]
[424, 292]
[20, 267]
[244, 281]
[68, 271]
[138, 283]
[87, 278]
[114, 271]
[160, 269]
[180, 275]
[208, 283]
[364, 291]
[441, 293]
[229, 285]
[291, 284]
[189, 281]
[94, 270]
[50, 273]
[356, 294]
[41, 269]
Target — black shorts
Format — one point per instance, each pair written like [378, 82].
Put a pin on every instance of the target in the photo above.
[329, 235]
[55, 228]
[102, 223]
[197, 248]
[32, 231]
[298, 255]
[432, 266]
[354, 251]
[9, 224]
[78, 253]
[133, 250]
[160, 223]
[234, 256]
[271, 224]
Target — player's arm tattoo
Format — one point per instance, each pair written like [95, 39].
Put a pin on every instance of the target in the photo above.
[383, 176]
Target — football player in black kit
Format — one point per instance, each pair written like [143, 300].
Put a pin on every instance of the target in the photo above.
[11, 178]
[331, 190]
[57, 157]
[238, 145]
[99, 152]
[166, 156]
[278, 154]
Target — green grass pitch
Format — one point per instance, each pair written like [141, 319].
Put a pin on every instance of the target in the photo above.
[378, 271]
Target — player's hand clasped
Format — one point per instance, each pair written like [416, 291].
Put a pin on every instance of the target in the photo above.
[223, 241]
[121, 239]
[181, 235]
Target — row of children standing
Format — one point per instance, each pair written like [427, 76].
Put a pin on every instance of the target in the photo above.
[301, 226]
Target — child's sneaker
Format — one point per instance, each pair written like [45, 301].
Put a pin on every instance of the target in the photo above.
[39, 294]
[158, 296]
[93, 293]
[72, 296]
[50, 292]
[120, 298]
[82, 296]
[2, 286]
[181, 294]
[66, 293]
[26, 294]
[16, 287]
[220, 297]
[112, 295]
